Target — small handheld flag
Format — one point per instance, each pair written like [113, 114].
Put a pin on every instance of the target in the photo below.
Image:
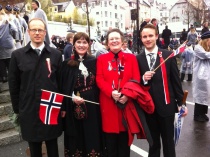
[50, 107]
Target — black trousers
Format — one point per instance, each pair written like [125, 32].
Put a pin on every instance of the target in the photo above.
[189, 77]
[200, 109]
[117, 144]
[4, 66]
[161, 128]
[36, 148]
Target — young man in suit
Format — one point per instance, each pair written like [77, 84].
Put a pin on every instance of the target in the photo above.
[165, 89]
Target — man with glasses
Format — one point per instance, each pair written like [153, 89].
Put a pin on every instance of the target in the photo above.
[32, 68]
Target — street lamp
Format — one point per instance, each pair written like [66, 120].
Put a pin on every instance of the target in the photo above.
[86, 10]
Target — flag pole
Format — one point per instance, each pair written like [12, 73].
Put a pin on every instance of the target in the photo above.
[168, 57]
[70, 96]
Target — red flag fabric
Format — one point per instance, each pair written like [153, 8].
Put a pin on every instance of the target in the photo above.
[179, 50]
[50, 107]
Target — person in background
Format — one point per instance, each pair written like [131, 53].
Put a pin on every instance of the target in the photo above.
[166, 36]
[68, 48]
[24, 25]
[144, 23]
[25, 16]
[82, 122]
[13, 19]
[162, 43]
[187, 62]
[175, 43]
[125, 47]
[155, 23]
[201, 81]
[37, 12]
[111, 100]
[183, 37]
[205, 27]
[61, 44]
[7, 45]
[32, 68]
[192, 37]
[102, 50]
[166, 90]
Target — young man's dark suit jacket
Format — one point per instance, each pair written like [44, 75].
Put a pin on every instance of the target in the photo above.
[156, 83]
[157, 92]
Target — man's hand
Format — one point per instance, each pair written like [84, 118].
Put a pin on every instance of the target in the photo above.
[185, 110]
[148, 75]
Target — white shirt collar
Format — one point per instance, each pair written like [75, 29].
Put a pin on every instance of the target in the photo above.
[40, 47]
[155, 51]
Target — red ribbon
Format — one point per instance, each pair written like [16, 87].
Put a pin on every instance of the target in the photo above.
[165, 79]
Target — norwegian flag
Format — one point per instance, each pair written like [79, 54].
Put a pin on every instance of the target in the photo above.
[179, 50]
[121, 68]
[113, 85]
[50, 107]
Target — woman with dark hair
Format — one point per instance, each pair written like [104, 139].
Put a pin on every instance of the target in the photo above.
[82, 122]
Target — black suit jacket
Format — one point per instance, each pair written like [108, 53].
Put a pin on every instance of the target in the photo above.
[156, 83]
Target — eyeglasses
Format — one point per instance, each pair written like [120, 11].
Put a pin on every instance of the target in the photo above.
[40, 31]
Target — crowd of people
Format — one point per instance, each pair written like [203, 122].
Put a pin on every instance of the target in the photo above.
[112, 96]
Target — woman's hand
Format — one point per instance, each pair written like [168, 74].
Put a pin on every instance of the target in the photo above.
[123, 99]
[63, 114]
[116, 95]
[78, 100]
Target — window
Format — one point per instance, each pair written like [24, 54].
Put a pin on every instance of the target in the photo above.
[97, 13]
[110, 23]
[105, 3]
[101, 14]
[110, 14]
[116, 24]
[115, 6]
[106, 24]
[116, 15]
[101, 23]
[93, 4]
[106, 14]
[161, 14]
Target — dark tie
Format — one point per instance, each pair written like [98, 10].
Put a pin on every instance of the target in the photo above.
[152, 60]
[37, 51]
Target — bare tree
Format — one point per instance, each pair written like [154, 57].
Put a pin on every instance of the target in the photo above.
[194, 12]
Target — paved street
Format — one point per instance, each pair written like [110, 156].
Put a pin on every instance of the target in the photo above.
[194, 142]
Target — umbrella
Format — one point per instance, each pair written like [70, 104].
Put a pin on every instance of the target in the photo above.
[178, 122]
[72, 31]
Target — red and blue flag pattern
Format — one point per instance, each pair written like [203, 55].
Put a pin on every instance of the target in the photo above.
[50, 107]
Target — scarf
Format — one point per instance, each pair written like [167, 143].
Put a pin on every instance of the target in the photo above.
[165, 79]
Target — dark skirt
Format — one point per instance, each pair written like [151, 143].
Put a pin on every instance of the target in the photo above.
[87, 142]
